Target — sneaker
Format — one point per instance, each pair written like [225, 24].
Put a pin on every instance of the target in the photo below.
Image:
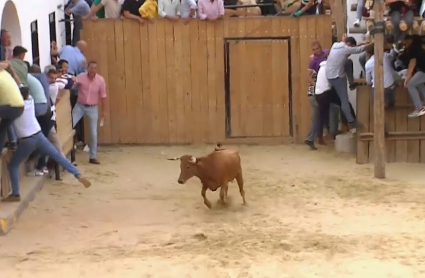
[12, 198]
[310, 144]
[417, 113]
[356, 23]
[84, 181]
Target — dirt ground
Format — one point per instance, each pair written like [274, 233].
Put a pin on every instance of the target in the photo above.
[309, 214]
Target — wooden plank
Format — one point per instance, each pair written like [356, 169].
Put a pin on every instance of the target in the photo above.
[195, 66]
[129, 91]
[219, 83]
[170, 81]
[187, 86]
[371, 128]
[112, 85]
[422, 142]
[155, 136]
[401, 97]
[178, 80]
[135, 90]
[162, 82]
[104, 132]
[120, 99]
[390, 124]
[363, 114]
[212, 81]
[242, 90]
[284, 77]
[279, 86]
[296, 80]
[326, 41]
[304, 105]
[267, 104]
[144, 133]
[203, 79]
[413, 146]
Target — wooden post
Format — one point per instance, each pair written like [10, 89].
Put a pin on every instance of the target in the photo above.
[337, 9]
[379, 112]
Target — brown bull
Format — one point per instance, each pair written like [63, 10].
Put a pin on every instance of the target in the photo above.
[214, 170]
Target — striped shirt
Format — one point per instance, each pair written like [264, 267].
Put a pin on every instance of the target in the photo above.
[388, 69]
[335, 65]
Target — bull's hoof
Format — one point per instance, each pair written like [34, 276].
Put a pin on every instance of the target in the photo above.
[208, 204]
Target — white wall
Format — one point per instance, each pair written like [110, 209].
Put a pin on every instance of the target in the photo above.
[29, 11]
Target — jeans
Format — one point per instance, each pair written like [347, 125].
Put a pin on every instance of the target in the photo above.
[362, 61]
[349, 71]
[25, 147]
[40, 109]
[314, 109]
[54, 139]
[91, 112]
[340, 86]
[8, 114]
[359, 11]
[388, 95]
[416, 85]
[395, 20]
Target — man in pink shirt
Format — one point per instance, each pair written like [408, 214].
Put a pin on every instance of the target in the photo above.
[210, 9]
[92, 87]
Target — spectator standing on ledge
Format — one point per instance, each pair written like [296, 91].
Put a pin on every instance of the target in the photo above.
[31, 139]
[79, 9]
[210, 10]
[400, 9]
[169, 9]
[112, 9]
[92, 88]
[188, 10]
[130, 10]
[307, 7]
[415, 80]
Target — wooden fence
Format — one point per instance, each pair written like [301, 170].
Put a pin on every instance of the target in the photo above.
[236, 80]
[406, 136]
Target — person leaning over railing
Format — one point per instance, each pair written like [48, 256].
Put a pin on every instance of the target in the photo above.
[307, 7]
[210, 10]
[112, 9]
[169, 9]
[400, 9]
[149, 10]
[130, 10]
[32, 139]
[188, 10]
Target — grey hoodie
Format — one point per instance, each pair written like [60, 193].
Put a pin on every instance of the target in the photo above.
[335, 66]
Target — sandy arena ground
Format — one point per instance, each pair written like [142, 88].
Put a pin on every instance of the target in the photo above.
[309, 214]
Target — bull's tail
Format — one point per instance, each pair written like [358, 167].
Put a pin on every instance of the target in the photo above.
[218, 147]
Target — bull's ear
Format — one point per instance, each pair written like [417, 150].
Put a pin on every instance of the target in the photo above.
[174, 158]
[192, 159]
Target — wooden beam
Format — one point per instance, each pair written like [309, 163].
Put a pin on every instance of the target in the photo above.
[394, 136]
[379, 111]
[337, 8]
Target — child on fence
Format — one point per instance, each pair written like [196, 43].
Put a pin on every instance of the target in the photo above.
[30, 139]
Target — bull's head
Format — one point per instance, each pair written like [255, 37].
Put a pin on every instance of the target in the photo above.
[188, 167]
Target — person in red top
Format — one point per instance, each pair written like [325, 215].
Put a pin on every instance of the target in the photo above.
[92, 88]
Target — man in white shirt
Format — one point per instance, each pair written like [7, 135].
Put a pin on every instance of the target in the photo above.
[30, 139]
[325, 96]
[389, 83]
[169, 9]
[188, 10]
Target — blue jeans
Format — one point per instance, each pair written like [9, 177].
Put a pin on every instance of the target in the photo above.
[91, 112]
[40, 109]
[8, 114]
[359, 11]
[25, 148]
[340, 86]
[388, 95]
[416, 86]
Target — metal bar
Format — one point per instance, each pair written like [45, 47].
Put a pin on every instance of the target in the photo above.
[247, 6]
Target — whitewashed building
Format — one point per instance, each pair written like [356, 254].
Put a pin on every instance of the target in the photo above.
[34, 24]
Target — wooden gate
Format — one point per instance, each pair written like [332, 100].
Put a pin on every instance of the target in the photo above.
[258, 93]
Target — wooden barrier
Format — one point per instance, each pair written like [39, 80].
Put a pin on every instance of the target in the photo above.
[406, 136]
[236, 80]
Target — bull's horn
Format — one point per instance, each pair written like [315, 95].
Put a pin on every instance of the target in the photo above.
[174, 158]
[192, 159]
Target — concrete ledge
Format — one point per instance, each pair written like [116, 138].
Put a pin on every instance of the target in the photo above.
[10, 212]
